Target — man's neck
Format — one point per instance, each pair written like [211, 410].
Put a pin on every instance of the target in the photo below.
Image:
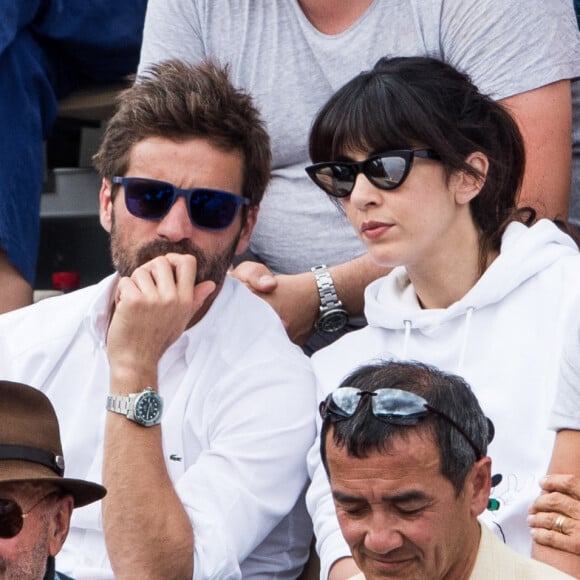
[464, 566]
[334, 16]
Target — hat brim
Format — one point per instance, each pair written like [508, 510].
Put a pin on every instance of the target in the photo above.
[83, 492]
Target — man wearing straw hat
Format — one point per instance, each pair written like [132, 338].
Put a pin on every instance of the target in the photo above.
[36, 500]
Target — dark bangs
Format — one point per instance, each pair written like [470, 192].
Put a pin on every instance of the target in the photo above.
[369, 114]
[422, 102]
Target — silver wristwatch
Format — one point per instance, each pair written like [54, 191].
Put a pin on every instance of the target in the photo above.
[332, 317]
[144, 408]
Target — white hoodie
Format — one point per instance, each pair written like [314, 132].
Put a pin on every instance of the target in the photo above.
[505, 336]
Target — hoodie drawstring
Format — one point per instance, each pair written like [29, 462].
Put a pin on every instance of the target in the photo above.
[464, 341]
[408, 326]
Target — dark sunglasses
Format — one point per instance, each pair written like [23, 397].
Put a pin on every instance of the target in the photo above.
[392, 406]
[386, 170]
[12, 516]
[209, 209]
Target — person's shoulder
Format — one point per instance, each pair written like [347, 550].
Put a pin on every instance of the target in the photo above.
[544, 243]
[497, 560]
[51, 307]
[529, 569]
[242, 322]
[51, 317]
[250, 310]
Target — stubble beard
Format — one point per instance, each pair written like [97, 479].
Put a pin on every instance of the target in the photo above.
[211, 267]
[30, 565]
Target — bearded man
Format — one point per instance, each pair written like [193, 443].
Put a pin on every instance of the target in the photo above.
[175, 385]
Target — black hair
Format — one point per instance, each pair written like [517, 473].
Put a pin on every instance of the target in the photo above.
[447, 393]
[410, 102]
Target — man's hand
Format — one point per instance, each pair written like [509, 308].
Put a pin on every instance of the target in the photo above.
[294, 297]
[560, 499]
[544, 116]
[152, 309]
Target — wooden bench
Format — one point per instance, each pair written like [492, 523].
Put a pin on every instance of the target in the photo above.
[94, 104]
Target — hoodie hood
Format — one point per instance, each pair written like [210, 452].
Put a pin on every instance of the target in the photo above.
[391, 302]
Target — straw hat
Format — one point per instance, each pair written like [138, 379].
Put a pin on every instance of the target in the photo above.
[30, 447]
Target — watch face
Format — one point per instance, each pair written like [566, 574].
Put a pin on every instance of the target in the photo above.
[148, 407]
[332, 321]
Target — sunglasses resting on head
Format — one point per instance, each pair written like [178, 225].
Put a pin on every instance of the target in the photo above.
[392, 406]
[209, 209]
[386, 170]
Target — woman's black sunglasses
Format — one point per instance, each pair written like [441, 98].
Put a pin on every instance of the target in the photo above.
[209, 209]
[392, 406]
[386, 170]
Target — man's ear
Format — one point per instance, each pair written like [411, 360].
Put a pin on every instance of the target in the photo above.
[59, 524]
[478, 485]
[247, 229]
[467, 186]
[106, 204]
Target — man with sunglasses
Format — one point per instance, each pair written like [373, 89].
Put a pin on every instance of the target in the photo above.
[36, 500]
[173, 382]
[404, 446]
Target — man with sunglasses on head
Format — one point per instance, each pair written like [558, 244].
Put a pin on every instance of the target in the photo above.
[36, 500]
[170, 378]
[404, 447]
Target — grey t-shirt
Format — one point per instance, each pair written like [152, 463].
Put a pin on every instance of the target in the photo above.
[506, 46]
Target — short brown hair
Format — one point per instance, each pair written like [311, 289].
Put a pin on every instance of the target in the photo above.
[179, 101]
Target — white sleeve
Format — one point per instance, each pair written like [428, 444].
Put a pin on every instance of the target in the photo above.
[256, 427]
[566, 411]
[330, 543]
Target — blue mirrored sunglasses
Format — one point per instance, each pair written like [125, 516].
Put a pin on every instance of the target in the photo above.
[209, 209]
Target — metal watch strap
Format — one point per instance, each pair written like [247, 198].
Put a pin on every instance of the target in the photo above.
[144, 408]
[326, 290]
[118, 404]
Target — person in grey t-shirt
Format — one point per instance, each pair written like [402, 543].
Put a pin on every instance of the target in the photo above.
[293, 55]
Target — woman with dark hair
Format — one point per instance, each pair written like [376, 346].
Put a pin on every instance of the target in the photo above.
[428, 171]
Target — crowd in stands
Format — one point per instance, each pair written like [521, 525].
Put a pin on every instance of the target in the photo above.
[367, 209]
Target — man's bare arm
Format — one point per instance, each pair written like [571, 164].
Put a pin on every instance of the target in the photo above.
[147, 530]
[544, 116]
[295, 297]
[560, 497]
